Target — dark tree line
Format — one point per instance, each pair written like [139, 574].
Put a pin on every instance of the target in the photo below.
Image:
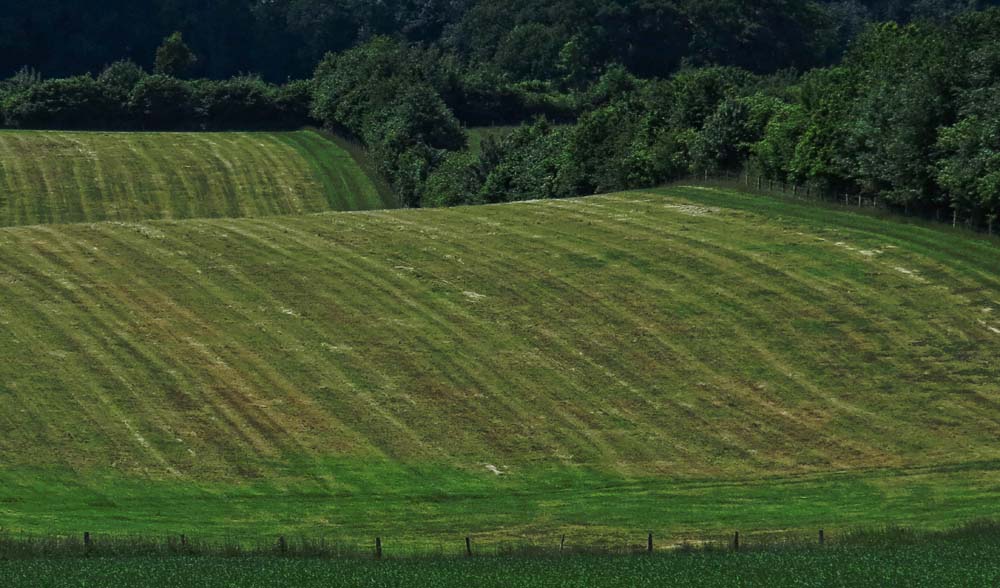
[569, 40]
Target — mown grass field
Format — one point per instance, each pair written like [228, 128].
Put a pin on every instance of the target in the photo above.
[68, 177]
[686, 361]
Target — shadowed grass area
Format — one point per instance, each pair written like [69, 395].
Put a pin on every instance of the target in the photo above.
[66, 177]
[682, 360]
[479, 134]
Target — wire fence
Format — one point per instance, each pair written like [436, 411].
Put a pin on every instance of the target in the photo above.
[92, 545]
[756, 183]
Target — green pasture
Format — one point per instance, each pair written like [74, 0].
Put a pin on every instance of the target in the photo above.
[68, 177]
[687, 361]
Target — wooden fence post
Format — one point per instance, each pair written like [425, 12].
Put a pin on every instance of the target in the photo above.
[736, 541]
[649, 543]
[184, 540]
[562, 543]
[86, 538]
[282, 544]
[954, 218]
[468, 547]
[378, 548]
[822, 539]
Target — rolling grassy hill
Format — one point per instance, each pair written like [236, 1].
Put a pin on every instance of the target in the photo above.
[687, 360]
[67, 177]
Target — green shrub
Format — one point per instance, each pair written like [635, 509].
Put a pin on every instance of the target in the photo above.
[293, 102]
[237, 103]
[69, 103]
[378, 93]
[21, 82]
[121, 77]
[174, 58]
[163, 102]
[529, 163]
[456, 180]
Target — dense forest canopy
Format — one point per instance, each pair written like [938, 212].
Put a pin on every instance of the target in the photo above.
[526, 39]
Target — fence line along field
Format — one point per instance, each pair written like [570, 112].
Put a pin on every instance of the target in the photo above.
[684, 361]
[67, 177]
[962, 558]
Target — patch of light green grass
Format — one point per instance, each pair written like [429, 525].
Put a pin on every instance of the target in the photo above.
[67, 177]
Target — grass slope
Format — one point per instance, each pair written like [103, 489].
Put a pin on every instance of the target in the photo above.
[685, 360]
[66, 177]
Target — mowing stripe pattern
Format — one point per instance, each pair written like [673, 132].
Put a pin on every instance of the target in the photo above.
[67, 177]
[680, 333]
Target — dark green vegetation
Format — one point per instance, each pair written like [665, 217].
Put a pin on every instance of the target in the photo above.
[480, 135]
[630, 94]
[126, 97]
[967, 558]
[683, 360]
[909, 116]
[67, 177]
[520, 40]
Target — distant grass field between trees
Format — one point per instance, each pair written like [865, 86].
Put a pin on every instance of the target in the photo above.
[69, 177]
[686, 361]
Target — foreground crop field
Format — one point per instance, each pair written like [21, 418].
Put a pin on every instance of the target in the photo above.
[966, 559]
[688, 361]
[66, 177]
